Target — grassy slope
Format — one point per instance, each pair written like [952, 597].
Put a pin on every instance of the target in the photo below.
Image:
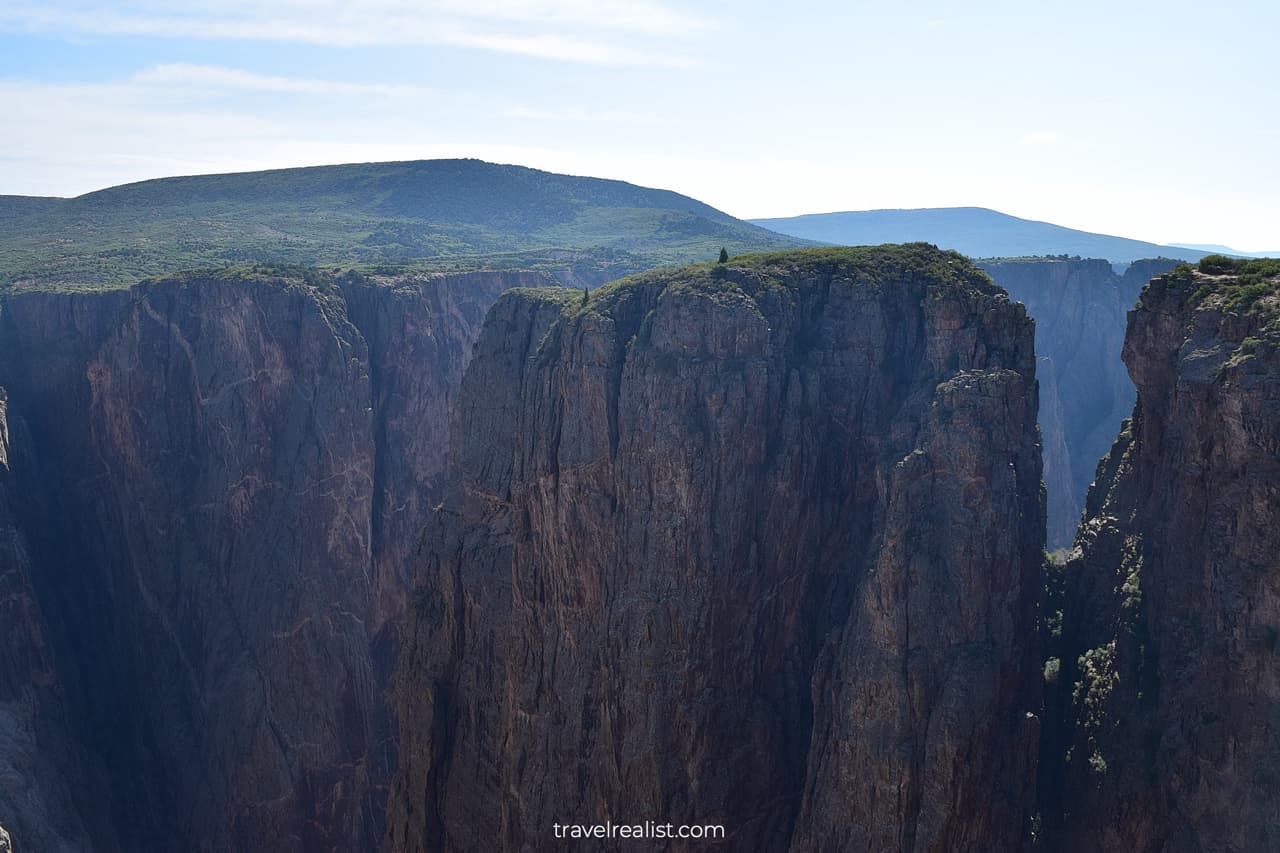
[15, 207]
[437, 213]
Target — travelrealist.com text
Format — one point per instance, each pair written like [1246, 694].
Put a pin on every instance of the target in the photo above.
[640, 831]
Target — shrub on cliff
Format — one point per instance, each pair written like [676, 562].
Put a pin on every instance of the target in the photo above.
[1218, 265]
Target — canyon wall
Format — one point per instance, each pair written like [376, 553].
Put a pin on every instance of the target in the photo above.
[225, 475]
[755, 545]
[40, 767]
[1164, 685]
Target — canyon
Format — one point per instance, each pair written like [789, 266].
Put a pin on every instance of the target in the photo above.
[309, 560]
[1079, 306]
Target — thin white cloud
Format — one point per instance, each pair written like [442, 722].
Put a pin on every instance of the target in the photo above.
[218, 77]
[566, 48]
[579, 114]
[608, 32]
[622, 15]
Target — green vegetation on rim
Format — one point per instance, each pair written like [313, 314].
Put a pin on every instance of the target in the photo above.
[1236, 285]
[1248, 270]
[458, 214]
[745, 277]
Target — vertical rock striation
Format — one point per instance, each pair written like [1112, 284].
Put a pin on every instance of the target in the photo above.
[1166, 703]
[224, 470]
[754, 545]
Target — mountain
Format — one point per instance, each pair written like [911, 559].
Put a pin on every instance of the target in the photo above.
[754, 545]
[973, 231]
[15, 207]
[1219, 249]
[441, 213]
[1163, 681]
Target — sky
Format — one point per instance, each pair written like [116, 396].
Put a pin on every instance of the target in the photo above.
[1158, 121]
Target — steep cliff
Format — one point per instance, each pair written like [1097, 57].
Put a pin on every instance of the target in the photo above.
[754, 545]
[1079, 307]
[36, 794]
[226, 473]
[1164, 695]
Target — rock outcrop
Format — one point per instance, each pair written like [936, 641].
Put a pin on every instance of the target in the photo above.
[755, 545]
[1079, 307]
[1164, 693]
[226, 475]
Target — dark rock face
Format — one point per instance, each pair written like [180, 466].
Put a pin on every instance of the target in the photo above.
[36, 797]
[224, 478]
[756, 546]
[1166, 703]
[1079, 307]
[419, 337]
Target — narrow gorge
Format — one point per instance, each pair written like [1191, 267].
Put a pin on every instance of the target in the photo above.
[1079, 307]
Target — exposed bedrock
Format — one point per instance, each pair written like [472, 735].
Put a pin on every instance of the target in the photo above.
[754, 545]
[226, 476]
[1164, 695]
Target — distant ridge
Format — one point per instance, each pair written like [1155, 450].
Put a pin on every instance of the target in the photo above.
[1226, 250]
[974, 231]
[424, 212]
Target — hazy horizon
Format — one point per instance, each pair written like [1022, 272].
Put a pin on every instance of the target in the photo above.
[1157, 126]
